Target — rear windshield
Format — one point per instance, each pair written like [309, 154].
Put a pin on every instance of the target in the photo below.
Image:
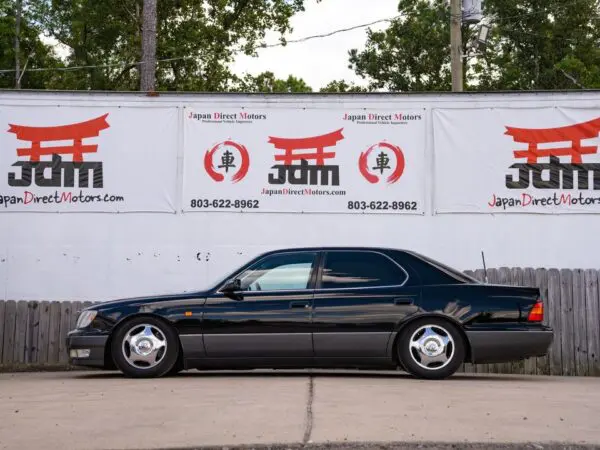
[460, 276]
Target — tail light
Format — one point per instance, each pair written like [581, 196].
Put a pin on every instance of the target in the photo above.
[537, 312]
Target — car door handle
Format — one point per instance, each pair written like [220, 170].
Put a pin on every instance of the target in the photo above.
[299, 305]
[404, 301]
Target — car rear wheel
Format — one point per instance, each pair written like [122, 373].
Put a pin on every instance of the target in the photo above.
[145, 347]
[431, 348]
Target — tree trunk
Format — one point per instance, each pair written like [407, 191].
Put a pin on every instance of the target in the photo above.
[18, 13]
[148, 64]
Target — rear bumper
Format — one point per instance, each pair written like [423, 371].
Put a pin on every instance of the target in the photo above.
[505, 346]
[95, 343]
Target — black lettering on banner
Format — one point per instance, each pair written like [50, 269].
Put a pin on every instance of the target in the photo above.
[382, 205]
[224, 203]
[549, 175]
[25, 179]
[62, 173]
[304, 173]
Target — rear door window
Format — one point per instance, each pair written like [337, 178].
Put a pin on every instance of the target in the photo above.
[352, 269]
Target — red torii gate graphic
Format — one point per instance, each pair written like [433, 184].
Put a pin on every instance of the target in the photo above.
[314, 142]
[574, 133]
[76, 132]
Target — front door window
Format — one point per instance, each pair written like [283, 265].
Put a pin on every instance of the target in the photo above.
[287, 271]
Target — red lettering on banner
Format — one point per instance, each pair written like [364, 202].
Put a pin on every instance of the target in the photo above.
[28, 197]
[76, 132]
[574, 133]
[290, 145]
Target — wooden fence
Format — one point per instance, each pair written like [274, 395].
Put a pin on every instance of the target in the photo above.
[33, 333]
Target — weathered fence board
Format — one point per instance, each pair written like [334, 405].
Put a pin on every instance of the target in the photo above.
[10, 319]
[553, 311]
[567, 332]
[54, 333]
[65, 327]
[579, 323]
[20, 333]
[44, 326]
[592, 302]
[35, 308]
[34, 332]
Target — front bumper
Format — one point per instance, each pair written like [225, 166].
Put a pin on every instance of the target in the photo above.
[508, 345]
[95, 343]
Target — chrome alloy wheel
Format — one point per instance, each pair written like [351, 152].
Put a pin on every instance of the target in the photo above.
[431, 347]
[144, 346]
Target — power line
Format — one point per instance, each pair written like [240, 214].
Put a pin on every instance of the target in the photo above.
[132, 64]
[324, 35]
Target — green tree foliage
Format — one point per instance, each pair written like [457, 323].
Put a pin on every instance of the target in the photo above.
[267, 82]
[413, 53]
[534, 44]
[341, 86]
[33, 52]
[200, 38]
[541, 44]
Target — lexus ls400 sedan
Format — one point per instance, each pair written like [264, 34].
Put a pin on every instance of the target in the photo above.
[319, 307]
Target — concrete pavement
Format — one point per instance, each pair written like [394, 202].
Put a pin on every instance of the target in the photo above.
[85, 410]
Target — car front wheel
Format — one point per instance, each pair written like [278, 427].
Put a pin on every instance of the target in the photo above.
[431, 348]
[145, 347]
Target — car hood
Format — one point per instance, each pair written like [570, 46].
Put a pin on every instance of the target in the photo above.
[148, 299]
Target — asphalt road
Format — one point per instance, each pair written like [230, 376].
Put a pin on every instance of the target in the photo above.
[84, 410]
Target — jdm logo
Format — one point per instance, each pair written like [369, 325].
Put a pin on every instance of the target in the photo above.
[304, 173]
[62, 173]
[389, 158]
[234, 158]
[555, 174]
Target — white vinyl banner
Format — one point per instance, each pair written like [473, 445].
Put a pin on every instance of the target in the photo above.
[304, 160]
[83, 159]
[541, 160]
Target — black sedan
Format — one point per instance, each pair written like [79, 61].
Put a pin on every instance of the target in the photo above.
[319, 307]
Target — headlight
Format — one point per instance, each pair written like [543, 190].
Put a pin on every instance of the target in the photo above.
[85, 318]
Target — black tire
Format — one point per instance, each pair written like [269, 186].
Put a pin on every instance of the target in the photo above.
[454, 351]
[177, 367]
[165, 361]
[174, 371]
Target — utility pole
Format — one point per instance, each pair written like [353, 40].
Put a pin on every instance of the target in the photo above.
[148, 66]
[456, 62]
[18, 14]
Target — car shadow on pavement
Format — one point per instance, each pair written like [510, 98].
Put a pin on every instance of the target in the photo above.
[194, 374]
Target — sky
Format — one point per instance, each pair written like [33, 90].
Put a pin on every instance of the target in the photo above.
[320, 61]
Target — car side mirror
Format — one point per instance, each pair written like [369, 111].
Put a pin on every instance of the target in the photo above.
[232, 286]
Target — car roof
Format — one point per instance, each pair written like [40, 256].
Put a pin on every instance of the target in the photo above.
[331, 248]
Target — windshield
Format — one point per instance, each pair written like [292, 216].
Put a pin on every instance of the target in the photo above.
[447, 269]
[222, 280]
